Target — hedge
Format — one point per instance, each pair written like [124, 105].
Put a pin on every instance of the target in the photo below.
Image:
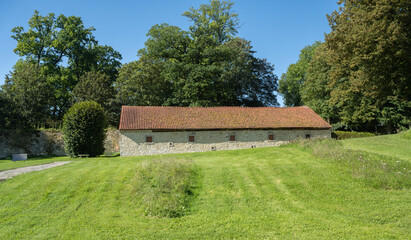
[347, 135]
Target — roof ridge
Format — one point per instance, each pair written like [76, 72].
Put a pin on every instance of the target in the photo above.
[219, 117]
[211, 107]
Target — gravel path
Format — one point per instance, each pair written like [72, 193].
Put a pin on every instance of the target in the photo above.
[11, 173]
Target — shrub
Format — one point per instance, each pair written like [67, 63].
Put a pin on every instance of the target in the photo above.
[346, 135]
[377, 171]
[83, 129]
[166, 187]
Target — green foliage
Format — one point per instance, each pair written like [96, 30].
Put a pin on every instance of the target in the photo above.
[293, 80]
[359, 77]
[49, 39]
[315, 91]
[167, 186]
[206, 66]
[347, 135]
[140, 83]
[93, 86]
[377, 171]
[28, 95]
[215, 21]
[84, 129]
[96, 58]
[65, 49]
[34, 43]
[96, 86]
[7, 118]
[368, 50]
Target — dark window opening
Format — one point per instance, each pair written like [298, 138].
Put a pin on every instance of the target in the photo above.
[232, 138]
[271, 137]
[149, 139]
[191, 138]
[307, 136]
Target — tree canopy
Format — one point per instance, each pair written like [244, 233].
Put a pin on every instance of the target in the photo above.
[56, 52]
[369, 48]
[360, 76]
[98, 87]
[205, 66]
[291, 83]
[28, 93]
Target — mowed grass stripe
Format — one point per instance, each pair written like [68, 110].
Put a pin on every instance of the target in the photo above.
[277, 193]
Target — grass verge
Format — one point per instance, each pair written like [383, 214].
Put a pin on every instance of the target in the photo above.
[375, 170]
[166, 187]
[394, 145]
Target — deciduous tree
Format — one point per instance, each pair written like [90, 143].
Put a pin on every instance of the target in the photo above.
[315, 91]
[29, 92]
[66, 50]
[205, 66]
[291, 83]
[96, 86]
[369, 48]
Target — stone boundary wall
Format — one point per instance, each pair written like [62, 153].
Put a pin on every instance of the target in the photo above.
[45, 143]
[133, 142]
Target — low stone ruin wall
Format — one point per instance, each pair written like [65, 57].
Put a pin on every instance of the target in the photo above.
[44, 143]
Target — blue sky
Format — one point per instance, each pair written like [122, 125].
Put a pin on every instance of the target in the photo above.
[278, 30]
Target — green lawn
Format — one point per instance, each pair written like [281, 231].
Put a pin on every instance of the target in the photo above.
[390, 145]
[276, 193]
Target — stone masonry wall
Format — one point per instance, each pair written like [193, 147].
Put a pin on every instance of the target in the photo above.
[44, 143]
[132, 142]
[38, 143]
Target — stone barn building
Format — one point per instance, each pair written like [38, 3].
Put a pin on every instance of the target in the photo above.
[161, 130]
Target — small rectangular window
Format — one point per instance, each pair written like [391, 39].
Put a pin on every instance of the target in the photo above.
[271, 137]
[307, 136]
[191, 138]
[149, 139]
[232, 138]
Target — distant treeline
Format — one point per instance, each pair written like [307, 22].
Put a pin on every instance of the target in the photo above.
[358, 79]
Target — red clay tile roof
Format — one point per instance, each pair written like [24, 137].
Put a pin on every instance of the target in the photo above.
[213, 118]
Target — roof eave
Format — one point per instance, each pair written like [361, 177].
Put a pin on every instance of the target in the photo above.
[226, 129]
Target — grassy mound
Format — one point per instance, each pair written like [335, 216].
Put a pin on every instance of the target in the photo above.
[375, 170]
[167, 186]
[406, 135]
